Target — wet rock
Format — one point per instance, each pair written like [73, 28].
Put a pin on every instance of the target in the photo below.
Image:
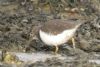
[87, 35]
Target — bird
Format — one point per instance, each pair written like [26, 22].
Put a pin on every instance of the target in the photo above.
[56, 32]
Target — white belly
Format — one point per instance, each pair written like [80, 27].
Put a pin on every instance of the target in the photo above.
[56, 39]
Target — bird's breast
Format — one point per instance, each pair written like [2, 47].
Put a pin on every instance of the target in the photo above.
[58, 39]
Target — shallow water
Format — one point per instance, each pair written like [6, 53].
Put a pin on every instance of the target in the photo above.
[40, 56]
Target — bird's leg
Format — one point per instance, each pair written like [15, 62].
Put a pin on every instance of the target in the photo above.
[73, 41]
[56, 50]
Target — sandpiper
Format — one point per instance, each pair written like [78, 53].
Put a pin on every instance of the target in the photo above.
[57, 32]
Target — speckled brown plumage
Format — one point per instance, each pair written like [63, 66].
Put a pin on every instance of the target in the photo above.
[57, 26]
